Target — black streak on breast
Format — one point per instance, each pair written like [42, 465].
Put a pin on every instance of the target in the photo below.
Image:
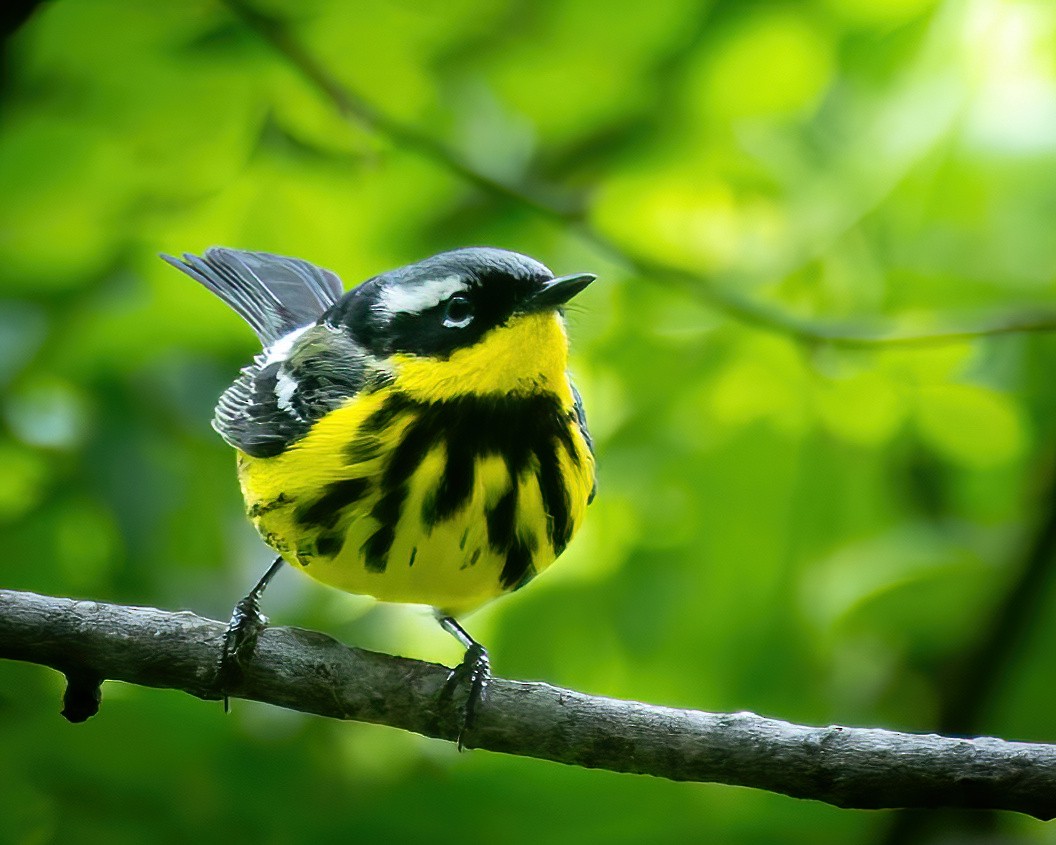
[325, 511]
[527, 432]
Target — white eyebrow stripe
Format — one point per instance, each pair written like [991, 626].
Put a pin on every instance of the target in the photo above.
[407, 299]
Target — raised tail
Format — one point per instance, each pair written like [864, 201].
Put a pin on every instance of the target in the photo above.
[272, 293]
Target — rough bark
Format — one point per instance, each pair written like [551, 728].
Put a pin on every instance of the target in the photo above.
[307, 671]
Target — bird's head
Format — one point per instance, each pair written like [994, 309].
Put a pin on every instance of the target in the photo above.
[471, 320]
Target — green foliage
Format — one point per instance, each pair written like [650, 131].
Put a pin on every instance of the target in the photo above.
[810, 531]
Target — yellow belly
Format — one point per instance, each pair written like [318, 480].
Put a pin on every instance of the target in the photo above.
[322, 504]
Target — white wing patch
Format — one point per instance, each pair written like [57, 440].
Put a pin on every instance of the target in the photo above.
[285, 384]
[285, 387]
[408, 299]
[282, 347]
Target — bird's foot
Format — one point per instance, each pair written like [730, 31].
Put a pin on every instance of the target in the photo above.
[246, 625]
[475, 669]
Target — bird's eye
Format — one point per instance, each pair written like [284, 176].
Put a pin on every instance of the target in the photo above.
[459, 312]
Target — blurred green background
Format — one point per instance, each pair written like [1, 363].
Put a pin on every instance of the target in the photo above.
[819, 531]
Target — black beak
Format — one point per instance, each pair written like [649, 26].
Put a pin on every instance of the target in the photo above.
[558, 291]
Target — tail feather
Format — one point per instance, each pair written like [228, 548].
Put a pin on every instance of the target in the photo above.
[272, 293]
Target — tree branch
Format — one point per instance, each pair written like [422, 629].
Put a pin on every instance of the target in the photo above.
[310, 672]
[715, 292]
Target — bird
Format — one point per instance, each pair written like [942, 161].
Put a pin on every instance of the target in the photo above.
[417, 438]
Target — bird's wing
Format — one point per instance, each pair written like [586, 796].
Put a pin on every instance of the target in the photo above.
[581, 420]
[288, 387]
[272, 293]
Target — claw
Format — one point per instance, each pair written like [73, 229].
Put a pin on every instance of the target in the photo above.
[475, 667]
[246, 625]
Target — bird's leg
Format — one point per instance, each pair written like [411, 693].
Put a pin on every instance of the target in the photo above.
[245, 627]
[475, 667]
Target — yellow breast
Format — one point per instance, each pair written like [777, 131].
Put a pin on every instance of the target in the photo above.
[461, 479]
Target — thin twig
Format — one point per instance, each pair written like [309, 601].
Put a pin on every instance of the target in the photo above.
[353, 106]
[308, 671]
[717, 293]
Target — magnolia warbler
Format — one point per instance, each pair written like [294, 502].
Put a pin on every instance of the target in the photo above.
[416, 439]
